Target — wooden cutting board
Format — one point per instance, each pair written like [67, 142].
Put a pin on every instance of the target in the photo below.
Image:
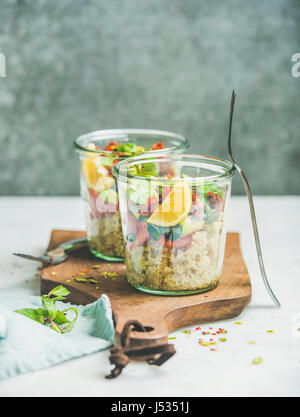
[163, 314]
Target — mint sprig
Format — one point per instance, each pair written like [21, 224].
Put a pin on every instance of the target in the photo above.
[49, 313]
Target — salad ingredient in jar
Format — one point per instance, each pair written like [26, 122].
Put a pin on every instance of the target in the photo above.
[99, 190]
[180, 246]
[174, 208]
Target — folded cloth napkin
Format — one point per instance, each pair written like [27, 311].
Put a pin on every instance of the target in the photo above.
[26, 345]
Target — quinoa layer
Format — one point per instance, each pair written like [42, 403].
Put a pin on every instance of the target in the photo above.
[105, 235]
[197, 267]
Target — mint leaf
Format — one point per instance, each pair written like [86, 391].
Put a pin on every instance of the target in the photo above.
[49, 314]
[50, 306]
[32, 314]
[59, 291]
[67, 327]
[60, 318]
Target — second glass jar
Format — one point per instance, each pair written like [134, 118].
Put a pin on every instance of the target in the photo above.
[98, 152]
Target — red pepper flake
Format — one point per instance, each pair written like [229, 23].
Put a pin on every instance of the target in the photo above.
[213, 350]
[84, 270]
[213, 334]
[198, 328]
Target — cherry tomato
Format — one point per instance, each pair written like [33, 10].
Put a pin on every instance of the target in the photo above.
[158, 145]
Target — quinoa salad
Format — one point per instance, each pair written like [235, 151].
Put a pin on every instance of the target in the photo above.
[174, 235]
[98, 188]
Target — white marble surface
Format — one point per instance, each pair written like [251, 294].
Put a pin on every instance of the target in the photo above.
[195, 370]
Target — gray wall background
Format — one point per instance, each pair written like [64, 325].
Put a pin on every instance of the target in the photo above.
[82, 65]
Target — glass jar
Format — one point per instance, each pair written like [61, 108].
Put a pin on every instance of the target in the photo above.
[99, 152]
[174, 221]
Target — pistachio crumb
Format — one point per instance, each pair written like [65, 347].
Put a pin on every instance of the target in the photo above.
[81, 280]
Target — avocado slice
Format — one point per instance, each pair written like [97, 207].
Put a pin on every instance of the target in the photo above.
[191, 226]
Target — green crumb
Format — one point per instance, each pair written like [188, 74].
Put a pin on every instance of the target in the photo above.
[95, 266]
[251, 342]
[68, 280]
[257, 361]
[238, 322]
[97, 288]
[81, 280]
[222, 339]
[172, 338]
[186, 331]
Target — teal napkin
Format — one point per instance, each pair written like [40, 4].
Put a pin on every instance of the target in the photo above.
[26, 345]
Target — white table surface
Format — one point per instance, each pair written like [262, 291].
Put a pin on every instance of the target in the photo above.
[195, 370]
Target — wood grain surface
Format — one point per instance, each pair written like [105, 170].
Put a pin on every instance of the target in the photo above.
[161, 314]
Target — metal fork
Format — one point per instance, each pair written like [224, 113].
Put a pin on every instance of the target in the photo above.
[54, 256]
[251, 204]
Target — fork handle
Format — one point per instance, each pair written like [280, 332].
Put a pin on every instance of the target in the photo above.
[256, 236]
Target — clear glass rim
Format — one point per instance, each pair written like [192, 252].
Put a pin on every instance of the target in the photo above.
[120, 170]
[112, 133]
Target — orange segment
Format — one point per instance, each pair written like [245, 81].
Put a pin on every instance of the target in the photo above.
[89, 171]
[174, 208]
